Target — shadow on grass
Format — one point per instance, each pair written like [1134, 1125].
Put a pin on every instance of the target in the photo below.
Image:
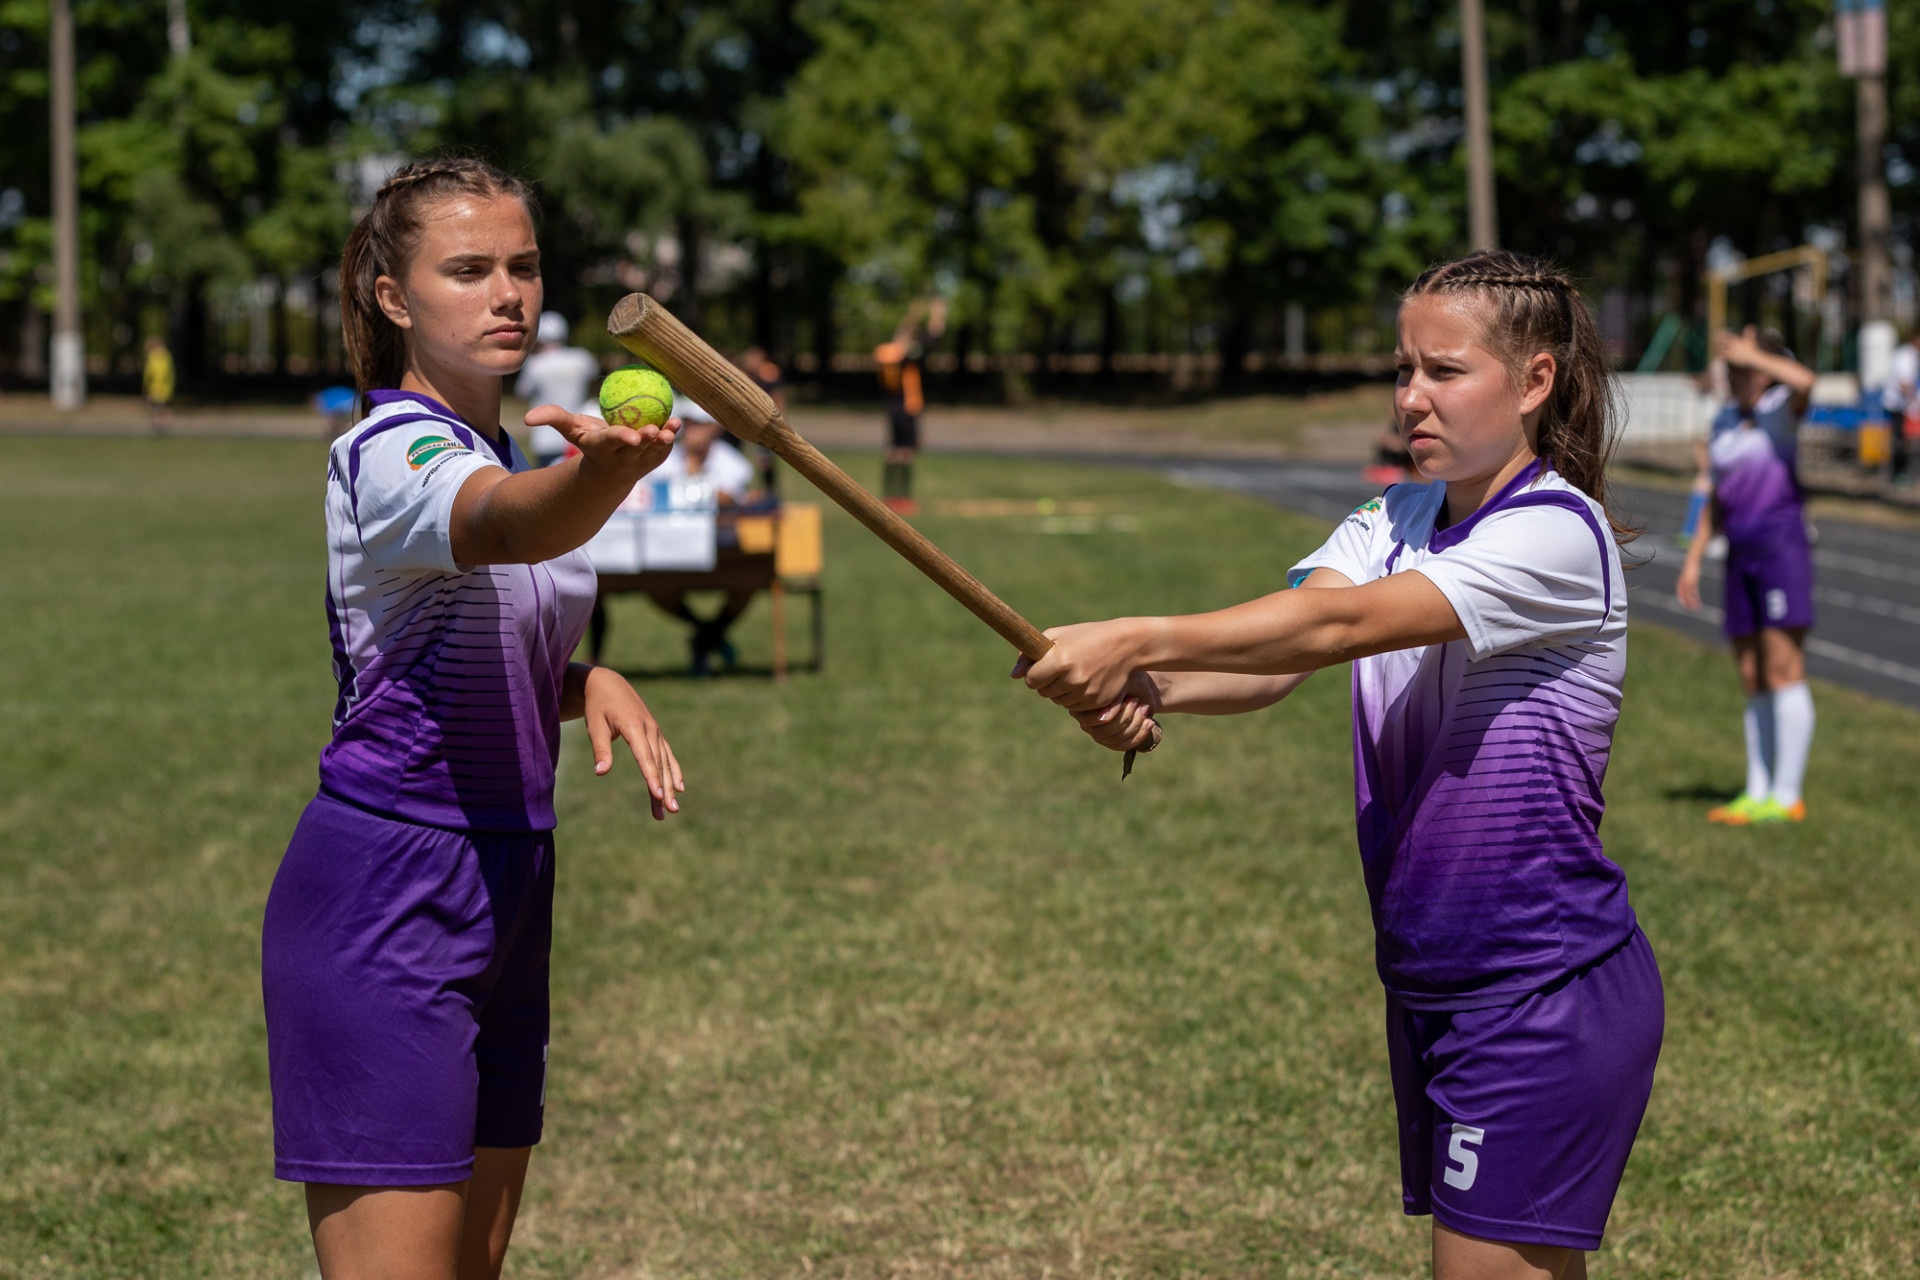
[1702, 792]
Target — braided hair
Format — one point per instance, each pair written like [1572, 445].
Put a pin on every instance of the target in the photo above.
[383, 244]
[1532, 307]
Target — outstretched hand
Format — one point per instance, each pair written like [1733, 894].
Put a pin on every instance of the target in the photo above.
[624, 451]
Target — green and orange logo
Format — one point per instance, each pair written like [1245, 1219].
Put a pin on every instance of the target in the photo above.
[427, 448]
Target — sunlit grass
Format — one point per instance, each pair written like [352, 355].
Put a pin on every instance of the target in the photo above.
[915, 986]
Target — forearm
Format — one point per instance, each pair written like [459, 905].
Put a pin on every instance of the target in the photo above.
[573, 690]
[1702, 535]
[535, 515]
[1785, 369]
[1218, 693]
[1295, 632]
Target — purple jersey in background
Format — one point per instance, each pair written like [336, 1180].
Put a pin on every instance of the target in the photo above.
[1478, 763]
[1752, 456]
[450, 677]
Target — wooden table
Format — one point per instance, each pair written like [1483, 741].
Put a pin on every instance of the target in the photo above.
[765, 561]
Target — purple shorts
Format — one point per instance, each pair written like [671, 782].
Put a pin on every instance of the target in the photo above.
[1769, 584]
[405, 975]
[1516, 1121]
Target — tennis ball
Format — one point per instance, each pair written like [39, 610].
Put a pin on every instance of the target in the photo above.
[636, 396]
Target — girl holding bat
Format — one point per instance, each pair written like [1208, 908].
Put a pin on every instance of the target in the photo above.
[1485, 617]
[404, 956]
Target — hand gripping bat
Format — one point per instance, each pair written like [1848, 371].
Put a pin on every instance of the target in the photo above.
[650, 331]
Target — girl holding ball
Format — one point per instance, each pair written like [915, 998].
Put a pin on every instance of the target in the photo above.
[405, 946]
[1485, 617]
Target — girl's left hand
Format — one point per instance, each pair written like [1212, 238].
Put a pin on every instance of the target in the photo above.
[614, 710]
[1128, 725]
[1088, 667]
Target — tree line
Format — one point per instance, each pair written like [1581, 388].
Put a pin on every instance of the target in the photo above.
[1081, 178]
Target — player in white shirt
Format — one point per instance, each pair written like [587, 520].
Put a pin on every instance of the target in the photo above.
[1901, 400]
[555, 374]
[699, 453]
[1485, 617]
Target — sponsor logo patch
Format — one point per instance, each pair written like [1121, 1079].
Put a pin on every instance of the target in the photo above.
[1362, 513]
[427, 448]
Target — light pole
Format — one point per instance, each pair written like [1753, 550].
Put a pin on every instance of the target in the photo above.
[1482, 221]
[68, 365]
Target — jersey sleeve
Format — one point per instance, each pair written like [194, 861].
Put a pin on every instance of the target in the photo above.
[1350, 551]
[1538, 574]
[401, 483]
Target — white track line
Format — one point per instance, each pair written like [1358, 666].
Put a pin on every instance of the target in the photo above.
[1815, 645]
[1867, 568]
[1864, 661]
[1868, 604]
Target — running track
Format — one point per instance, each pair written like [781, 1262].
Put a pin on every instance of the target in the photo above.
[1868, 577]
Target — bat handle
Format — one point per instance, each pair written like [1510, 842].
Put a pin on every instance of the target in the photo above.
[1126, 762]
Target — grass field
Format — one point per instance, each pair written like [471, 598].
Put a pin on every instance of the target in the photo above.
[914, 987]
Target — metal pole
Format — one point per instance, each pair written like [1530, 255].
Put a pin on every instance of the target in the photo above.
[69, 358]
[1482, 220]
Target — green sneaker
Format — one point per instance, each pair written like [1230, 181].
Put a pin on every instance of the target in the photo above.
[1736, 813]
[1771, 810]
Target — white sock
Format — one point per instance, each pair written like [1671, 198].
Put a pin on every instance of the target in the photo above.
[1793, 721]
[1759, 724]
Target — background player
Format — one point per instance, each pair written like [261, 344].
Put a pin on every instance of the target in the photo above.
[404, 954]
[556, 373]
[900, 373]
[766, 375]
[156, 385]
[1752, 449]
[1486, 619]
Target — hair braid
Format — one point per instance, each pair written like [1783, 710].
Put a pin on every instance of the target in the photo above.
[1531, 307]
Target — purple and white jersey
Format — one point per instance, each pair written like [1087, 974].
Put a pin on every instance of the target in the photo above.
[1752, 458]
[450, 677]
[1478, 763]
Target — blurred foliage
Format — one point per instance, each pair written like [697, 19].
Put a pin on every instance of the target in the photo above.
[1113, 176]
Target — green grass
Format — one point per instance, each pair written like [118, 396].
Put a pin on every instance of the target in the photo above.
[914, 986]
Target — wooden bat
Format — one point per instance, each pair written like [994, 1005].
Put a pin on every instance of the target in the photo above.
[650, 331]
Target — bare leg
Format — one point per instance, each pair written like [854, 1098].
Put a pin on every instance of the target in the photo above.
[1746, 656]
[454, 1231]
[387, 1233]
[1783, 656]
[1464, 1257]
[493, 1200]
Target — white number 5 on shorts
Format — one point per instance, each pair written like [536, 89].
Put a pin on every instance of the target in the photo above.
[1464, 1136]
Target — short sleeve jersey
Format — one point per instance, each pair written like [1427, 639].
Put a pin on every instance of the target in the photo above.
[450, 676]
[1478, 763]
[1752, 457]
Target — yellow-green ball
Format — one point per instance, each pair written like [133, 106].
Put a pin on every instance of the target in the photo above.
[636, 396]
